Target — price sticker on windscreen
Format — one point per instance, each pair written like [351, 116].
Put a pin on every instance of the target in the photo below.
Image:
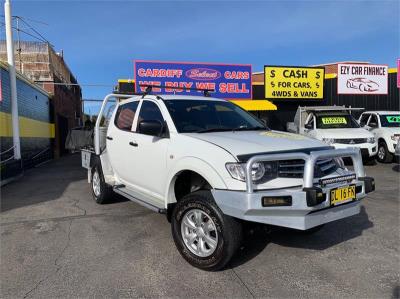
[334, 120]
[393, 118]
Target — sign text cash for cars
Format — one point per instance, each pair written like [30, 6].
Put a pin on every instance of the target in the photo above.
[230, 81]
[362, 79]
[287, 82]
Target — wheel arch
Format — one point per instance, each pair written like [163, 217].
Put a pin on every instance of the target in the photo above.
[192, 166]
[381, 139]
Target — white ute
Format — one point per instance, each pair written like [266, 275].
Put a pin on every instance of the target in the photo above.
[209, 165]
[385, 125]
[335, 126]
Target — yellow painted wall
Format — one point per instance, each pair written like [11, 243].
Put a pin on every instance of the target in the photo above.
[28, 127]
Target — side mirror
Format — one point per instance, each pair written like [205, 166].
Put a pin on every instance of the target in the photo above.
[309, 126]
[151, 127]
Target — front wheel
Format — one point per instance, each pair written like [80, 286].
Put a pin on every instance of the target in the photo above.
[384, 156]
[204, 236]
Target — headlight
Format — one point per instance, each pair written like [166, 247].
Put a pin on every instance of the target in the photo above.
[395, 137]
[328, 140]
[259, 170]
[236, 170]
[371, 140]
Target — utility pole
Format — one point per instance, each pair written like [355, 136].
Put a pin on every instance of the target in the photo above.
[19, 46]
[13, 80]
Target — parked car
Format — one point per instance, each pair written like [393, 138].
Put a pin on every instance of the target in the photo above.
[385, 125]
[209, 165]
[335, 126]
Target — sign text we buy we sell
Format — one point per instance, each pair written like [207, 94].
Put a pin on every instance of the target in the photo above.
[231, 81]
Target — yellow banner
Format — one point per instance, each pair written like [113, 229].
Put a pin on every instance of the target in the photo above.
[283, 82]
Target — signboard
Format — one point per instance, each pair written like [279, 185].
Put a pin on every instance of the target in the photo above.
[398, 73]
[334, 120]
[289, 82]
[232, 81]
[362, 79]
[393, 118]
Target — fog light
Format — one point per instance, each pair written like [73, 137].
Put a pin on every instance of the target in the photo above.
[314, 196]
[369, 184]
[276, 201]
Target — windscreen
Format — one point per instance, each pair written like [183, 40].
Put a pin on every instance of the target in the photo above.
[390, 121]
[336, 121]
[203, 116]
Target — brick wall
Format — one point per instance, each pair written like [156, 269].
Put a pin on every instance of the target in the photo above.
[39, 62]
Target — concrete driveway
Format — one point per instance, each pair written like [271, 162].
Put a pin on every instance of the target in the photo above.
[57, 242]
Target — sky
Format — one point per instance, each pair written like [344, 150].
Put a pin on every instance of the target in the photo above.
[100, 39]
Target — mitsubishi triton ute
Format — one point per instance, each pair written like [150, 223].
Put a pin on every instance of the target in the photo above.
[210, 166]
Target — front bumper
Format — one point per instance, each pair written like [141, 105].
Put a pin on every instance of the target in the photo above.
[304, 212]
[392, 146]
[397, 149]
[367, 149]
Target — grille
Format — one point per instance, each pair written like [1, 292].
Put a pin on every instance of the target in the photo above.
[351, 141]
[295, 168]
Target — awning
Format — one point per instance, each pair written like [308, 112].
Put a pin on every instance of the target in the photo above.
[255, 105]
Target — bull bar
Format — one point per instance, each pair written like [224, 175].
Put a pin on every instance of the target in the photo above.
[310, 203]
[310, 160]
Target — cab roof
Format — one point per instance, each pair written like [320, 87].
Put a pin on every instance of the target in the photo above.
[383, 112]
[169, 97]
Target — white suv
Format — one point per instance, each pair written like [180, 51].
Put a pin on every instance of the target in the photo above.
[209, 165]
[385, 125]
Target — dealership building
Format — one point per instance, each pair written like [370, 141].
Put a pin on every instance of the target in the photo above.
[286, 108]
[278, 111]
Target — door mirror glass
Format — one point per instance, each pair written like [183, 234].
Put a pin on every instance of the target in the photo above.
[151, 127]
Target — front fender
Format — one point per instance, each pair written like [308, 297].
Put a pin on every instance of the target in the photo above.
[203, 168]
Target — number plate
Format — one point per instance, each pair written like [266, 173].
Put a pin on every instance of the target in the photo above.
[85, 159]
[343, 195]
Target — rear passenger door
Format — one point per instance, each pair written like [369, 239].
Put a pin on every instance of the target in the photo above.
[118, 136]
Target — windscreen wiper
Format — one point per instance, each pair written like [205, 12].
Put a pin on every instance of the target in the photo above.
[242, 128]
[213, 130]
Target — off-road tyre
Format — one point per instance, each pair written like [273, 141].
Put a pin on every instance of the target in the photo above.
[384, 156]
[105, 191]
[229, 231]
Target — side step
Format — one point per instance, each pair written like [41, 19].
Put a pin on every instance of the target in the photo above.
[133, 196]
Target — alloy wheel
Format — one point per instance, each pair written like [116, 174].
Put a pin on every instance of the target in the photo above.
[199, 233]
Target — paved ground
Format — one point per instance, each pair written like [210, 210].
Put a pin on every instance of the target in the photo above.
[56, 242]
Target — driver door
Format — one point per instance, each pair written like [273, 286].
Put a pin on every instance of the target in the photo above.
[148, 155]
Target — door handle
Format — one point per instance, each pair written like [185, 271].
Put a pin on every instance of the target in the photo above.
[109, 138]
[133, 144]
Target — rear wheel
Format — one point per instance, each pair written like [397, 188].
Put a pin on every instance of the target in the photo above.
[384, 156]
[100, 190]
[204, 236]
